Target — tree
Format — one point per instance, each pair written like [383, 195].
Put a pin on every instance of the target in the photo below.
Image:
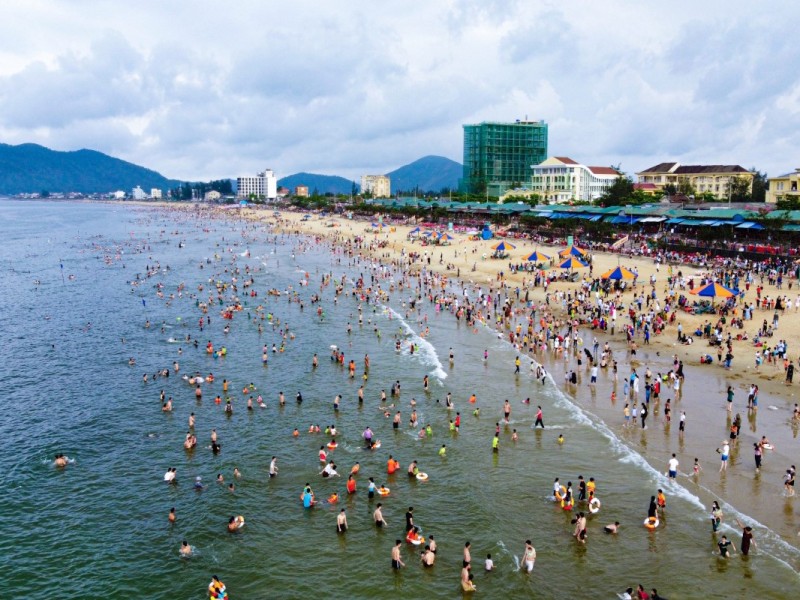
[760, 185]
[619, 193]
[685, 187]
[670, 189]
[739, 189]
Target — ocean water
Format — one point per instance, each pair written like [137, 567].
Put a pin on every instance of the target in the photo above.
[99, 527]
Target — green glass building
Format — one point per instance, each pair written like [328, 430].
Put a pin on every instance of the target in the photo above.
[498, 156]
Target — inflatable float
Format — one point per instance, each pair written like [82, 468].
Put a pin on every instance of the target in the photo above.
[651, 523]
[422, 476]
[383, 491]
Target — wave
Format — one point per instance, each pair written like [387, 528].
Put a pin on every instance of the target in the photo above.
[769, 542]
[426, 354]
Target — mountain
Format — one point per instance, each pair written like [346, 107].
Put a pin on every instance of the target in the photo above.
[29, 168]
[322, 183]
[428, 174]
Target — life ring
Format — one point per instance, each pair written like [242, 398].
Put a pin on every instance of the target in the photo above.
[383, 491]
[651, 523]
[594, 506]
[566, 506]
[768, 447]
[333, 498]
[332, 445]
[376, 445]
[559, 495]
[239, 522]
[422, 476]
[416, 541]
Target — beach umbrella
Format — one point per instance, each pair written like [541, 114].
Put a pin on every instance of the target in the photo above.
[414, 231]
[713, 290]
[573, 251]
[503, 246]
[572, 263]
[377, 224]
[427, 233]
[538, 257]
[445, 236]
[618, 273]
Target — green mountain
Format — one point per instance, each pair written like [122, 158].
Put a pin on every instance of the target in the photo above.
[427, 174]
[323, 184]
[30, 168]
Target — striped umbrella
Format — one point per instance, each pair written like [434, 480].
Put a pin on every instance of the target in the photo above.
[618, 273]
[503, 246]
[713, 290]
[573, 251]
[572, 263]
[538, 257]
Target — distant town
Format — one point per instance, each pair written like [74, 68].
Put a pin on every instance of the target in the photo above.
[509, 162]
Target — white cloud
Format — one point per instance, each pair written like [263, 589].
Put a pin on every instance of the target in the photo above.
[207, 89]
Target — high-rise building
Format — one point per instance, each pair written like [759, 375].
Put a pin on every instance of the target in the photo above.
[499, 156]
[377, 185]
[263, 185]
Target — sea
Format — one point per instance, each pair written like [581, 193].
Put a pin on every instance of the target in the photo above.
[82, 280]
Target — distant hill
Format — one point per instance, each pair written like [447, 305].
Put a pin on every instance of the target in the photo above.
[322, 183]
[30, 168]
[429, 174]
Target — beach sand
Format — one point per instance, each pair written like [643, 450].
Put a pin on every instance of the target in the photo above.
[760, 496]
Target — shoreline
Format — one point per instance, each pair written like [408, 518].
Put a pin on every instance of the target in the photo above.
[759, 496]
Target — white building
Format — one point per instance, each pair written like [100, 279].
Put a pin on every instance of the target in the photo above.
[560, 179]
[119, 195]
[155, 193]
[263, 185]
[380, 186]
[138, 193]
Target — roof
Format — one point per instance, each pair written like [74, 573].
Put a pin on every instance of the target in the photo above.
[644, 186]
[603, 171]
[678, 169]
[695, 169]
[566, 160]
[661, 168]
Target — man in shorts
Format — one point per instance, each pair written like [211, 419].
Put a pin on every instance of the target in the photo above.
[673, 467]
[529, 557]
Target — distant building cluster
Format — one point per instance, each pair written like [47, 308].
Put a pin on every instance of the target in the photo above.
[264, 185]
[510, 159]
[380, 186]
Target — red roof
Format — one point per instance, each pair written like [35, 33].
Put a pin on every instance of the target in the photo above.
[644, 186]
[603, 171]
[566, 160]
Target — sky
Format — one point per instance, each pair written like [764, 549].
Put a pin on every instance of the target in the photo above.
[205, 90]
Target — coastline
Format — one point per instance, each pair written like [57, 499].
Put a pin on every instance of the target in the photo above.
[759, 496]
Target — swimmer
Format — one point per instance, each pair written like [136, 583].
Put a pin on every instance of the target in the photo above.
[172, 516]
[560, 439]
[612, 527]
[186, 549]
[341, 522]
[378, 516]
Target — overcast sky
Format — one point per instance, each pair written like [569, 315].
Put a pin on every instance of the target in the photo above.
[200, 90]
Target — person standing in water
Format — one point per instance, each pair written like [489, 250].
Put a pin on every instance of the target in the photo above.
[539, 418]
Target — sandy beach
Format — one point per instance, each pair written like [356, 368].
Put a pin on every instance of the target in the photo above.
[703, 398]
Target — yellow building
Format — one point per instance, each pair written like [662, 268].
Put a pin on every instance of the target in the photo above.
[714, 179]
[784, 187]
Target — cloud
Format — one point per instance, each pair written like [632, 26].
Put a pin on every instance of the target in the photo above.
[200, 90]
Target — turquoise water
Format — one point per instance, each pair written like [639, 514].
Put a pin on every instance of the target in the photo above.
[100, 528]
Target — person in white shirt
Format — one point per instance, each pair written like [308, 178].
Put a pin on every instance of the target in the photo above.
[673, 467]
[489, 562]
